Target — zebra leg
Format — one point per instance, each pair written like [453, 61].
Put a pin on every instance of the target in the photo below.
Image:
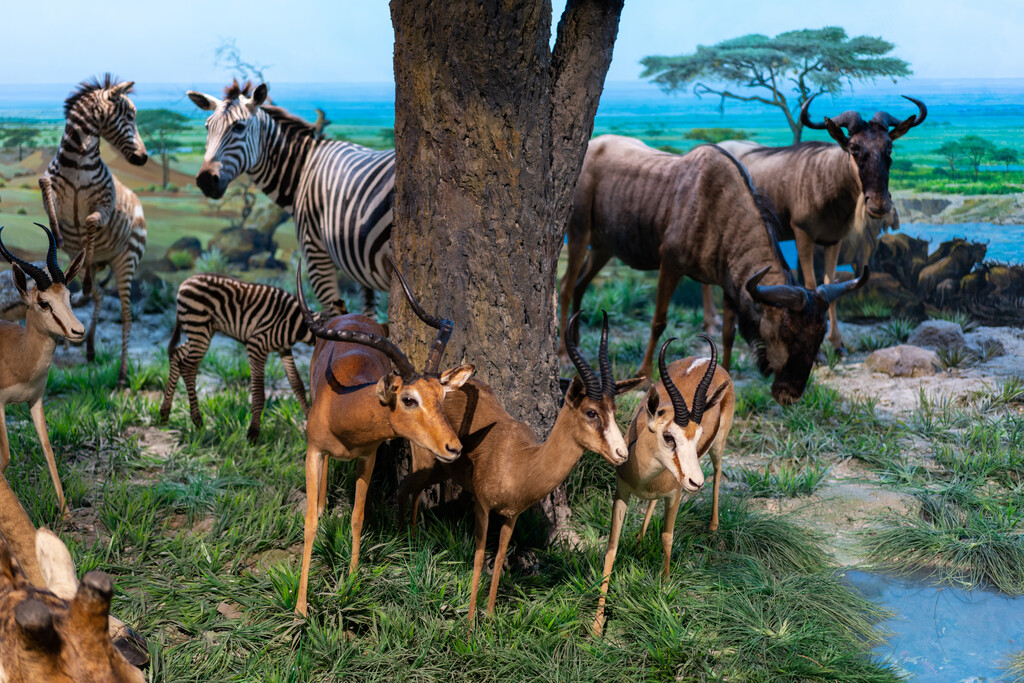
[123, 271]
[298, 387]
[323, 275]
[189, 363]
[369, 302]
[172, 381]
[257, 366]
[97, 301]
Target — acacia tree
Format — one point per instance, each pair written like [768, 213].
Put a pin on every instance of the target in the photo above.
[1005, 155]
[975, 149]
[491, 125]
[20, 137]
[158, 127]
[950, 149]
[804, 63]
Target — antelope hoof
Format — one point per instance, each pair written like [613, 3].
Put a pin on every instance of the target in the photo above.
[253, 434]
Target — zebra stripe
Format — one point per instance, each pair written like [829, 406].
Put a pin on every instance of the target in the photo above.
[87, 206]
[340, 194]
[266, 319]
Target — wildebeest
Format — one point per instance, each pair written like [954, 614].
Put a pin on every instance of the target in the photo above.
[815, 186]
[696, 215]
[952, 260]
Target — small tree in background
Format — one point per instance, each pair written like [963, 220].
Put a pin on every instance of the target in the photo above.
[806, 63]
[975, 150]
[20, 137]
[1006, 156]
[951, 151]
[157, 127]
[716, 135]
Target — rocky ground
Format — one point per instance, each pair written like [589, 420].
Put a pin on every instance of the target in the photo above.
[928, 207]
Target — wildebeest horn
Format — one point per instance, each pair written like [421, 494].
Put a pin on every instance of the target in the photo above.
[43, 280]
[603, 363]
[700, 396]
[900, 127]
[572, 340]
[789, 296]
[56, 274]
[320, 329]
[682, 413]
[834, 290]
[850, 120]
[805, 117]
[442, 324]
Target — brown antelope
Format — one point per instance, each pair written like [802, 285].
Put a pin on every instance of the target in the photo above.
[666, 441]
[697, 215]
[47, 565]
[506, 467]
[816, 186]
[26, 352]
[358, 402]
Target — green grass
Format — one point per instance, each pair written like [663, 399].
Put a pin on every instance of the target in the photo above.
[787, 480]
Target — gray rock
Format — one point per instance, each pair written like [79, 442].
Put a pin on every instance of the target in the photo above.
[903, 361]
[937, 334]
[985, 344]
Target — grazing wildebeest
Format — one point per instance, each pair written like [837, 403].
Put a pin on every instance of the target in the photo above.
[815, 186]
[697, 215]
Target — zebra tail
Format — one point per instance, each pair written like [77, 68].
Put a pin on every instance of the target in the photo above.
[175, 338]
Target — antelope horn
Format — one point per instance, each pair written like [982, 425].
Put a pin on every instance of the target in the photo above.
[789, 296]
[604, 364]
[43, 280]
[700, 396]
[320, 329]
[805, 117]
[682, 413]
[51, 257]
[572, 340]
[834, 290]
[442, 324]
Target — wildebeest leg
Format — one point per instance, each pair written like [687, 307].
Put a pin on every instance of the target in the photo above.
[831, 258]
[709, 309]
[599, 256]
[805, 254]
[728, 334]
[667, 281]
[577, 248]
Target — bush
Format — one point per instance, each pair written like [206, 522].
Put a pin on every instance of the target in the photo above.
[21, 211]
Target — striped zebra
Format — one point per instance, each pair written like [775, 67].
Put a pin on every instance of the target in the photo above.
[266, 319]
[88, 207]
[340, 194]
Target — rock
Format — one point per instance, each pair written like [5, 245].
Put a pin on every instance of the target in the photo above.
[985, 345]
[238, 244]
[266, 260]
[882, 292]
[182, 254]
[903, 361]
[937, 334]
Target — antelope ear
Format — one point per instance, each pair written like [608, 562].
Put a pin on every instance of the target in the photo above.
[76, 265]
[622, 386]
[387, 387]
[203, 101]
[718, 395]
[19, 281]
[56, 565]
[651, 407]
[837, 133]
[456, 377]
[575, 393]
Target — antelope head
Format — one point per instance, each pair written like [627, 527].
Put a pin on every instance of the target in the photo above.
[869, 145]
[679, 432]
[233, 131]
[592, 400]
[49, 303]
[57, 634]
[413, 399]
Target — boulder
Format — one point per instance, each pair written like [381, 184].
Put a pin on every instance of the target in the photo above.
[985, 345]
[937, 334]
[238, 245]
[183, 253]
[903, 361]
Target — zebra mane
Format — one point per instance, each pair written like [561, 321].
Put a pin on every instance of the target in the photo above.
[236, 90]
[285, 119]
[90, 85]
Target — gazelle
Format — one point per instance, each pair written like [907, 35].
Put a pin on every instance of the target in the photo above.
[26, 352]
[358, 402]
[506, 467]
[666, 442]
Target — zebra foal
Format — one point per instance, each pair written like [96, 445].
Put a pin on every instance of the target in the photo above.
[88, 208]
[266, 319]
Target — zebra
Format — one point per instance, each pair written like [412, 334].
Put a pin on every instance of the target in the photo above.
[266, 319]
[88, 208]
[340, 194]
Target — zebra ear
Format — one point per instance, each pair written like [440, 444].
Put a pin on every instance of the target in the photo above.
[203, 101]
[259, 96]
[121, 89]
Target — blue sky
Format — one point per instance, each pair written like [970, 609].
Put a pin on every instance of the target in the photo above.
[346, 41]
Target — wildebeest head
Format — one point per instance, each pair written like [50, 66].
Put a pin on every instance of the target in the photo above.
[791, 329]
[232, 136]
[869, 145]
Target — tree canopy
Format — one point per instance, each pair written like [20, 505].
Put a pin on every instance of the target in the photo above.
[157, 127]
[803, 63]
[20, 137]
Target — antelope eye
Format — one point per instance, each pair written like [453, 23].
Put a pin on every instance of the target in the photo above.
[44, 305]
[669, 440]
[409, 402]
[592, 414]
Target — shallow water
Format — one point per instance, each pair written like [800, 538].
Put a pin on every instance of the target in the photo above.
[942, 633]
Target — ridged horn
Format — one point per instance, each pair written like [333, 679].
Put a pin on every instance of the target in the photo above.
[43, 280]
[700, 396]
[56, 274]
[320, 329]
[572, 340]
[442, 324]
[604, 364]
[682, 413]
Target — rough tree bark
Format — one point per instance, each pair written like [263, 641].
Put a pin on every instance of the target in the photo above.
[491, 126]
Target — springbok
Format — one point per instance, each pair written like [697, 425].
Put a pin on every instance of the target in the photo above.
[47, 565]
[665, 446]
[26, 352]
[505, 466]
[815, 186]
[358, 402]
[697, 215]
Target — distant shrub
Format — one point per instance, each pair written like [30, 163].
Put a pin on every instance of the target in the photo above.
[171, 187]
[716, 135]
[21, 211]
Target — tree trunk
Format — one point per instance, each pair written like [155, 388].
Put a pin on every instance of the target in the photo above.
[166, 161]
[491, 126]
